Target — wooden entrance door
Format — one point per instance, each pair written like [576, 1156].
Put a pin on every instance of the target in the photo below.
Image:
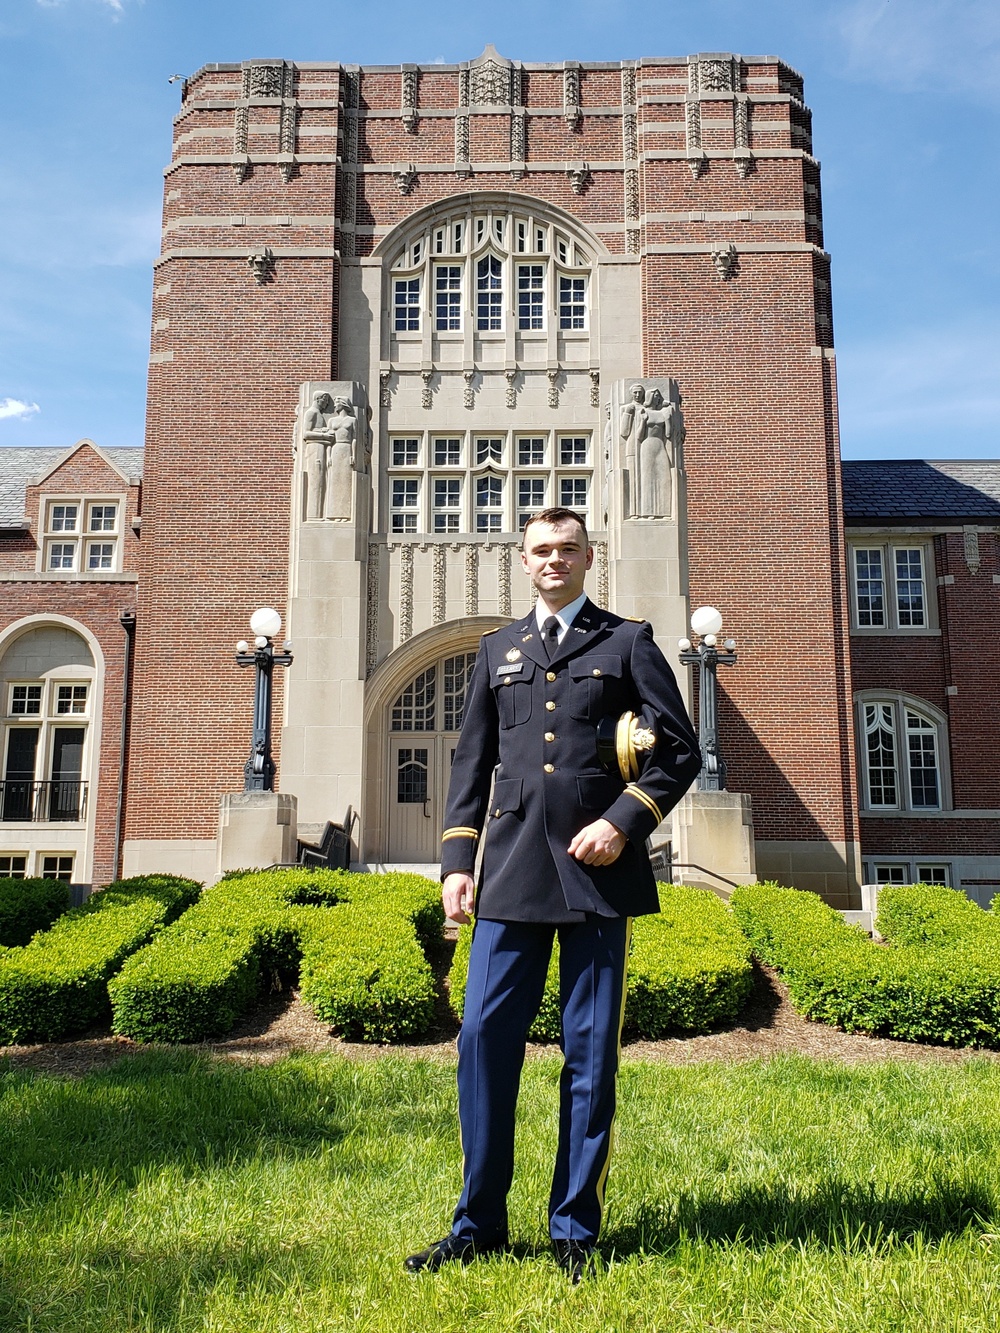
[424, 723]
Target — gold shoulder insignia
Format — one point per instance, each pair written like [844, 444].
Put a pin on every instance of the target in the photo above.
[492, 631]
[637, 619]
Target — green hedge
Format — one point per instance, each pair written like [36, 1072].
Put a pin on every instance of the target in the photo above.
[28, 906]
[689, 969]
[57, 984]
[930, 914]
[365, 973]
[933, 981]
[356, 936]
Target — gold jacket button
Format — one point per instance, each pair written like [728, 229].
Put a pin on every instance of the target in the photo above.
[550, 675]
[597, 671]
[496, 811]
[550, 705]
[549, 768]
[550, 735]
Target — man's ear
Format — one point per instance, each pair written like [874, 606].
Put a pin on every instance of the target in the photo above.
[590, 556]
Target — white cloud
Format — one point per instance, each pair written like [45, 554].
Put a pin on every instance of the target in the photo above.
[923, 45]
[934, 393]
[13, 408]
[117, 5]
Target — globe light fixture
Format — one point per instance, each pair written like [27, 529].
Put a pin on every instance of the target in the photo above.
[706, 620]
[259, 769]
[705, 656]
[265, 622]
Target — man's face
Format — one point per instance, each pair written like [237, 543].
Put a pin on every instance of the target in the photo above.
[556, 559]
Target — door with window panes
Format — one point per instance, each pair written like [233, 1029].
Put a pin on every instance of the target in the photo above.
[424, 722]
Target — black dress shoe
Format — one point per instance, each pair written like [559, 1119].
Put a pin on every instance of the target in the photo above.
[453, 1249]
[574, 1257]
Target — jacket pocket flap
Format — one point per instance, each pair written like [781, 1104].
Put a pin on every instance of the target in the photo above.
[597, 791]
[593, 665]
[506, 796]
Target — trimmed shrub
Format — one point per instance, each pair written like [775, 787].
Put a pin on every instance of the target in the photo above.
[913, 990]
[688, 970]
[28, 906]
[931, 914]
[363, 969]
[57, 984]
[366, 975]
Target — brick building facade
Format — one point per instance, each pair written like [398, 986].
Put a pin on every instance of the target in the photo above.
[395, 309]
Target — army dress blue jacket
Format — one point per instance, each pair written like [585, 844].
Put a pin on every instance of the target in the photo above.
[529, 736]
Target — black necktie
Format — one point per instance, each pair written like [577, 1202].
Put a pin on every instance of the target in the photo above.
[550, 636]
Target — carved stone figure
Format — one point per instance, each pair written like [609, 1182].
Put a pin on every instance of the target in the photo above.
[659, 430]
[341, 460]
[314, 441]
[330, 439]
[638, 396]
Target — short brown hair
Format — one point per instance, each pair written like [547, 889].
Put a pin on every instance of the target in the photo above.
[554, 516]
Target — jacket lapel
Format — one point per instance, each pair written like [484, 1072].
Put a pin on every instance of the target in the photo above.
[523, 636]
[589, 625]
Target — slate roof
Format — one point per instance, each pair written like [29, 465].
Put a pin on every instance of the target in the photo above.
[910, 491]
[19, 466]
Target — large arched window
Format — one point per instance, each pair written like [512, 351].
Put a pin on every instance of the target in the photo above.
[484, 266]
[901, 744]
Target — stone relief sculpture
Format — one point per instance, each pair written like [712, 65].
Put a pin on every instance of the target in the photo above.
[656, 429]
[653, 431]
[335, 446]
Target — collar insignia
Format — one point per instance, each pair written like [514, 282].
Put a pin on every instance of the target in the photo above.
[513, 654]
[527, 637]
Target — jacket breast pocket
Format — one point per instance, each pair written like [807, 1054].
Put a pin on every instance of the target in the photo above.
[595, 687]
[513, 694]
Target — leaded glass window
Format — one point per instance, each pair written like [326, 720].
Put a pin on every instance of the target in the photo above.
[457, 674]
[414, 709]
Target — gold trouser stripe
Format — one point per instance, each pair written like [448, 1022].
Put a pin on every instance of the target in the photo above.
[648, 802]
[603, 1180]
[459, 833]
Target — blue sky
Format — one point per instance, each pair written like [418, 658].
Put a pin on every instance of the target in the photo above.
[905, 96]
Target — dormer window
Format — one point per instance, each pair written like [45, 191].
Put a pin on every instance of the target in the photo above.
[81, 535]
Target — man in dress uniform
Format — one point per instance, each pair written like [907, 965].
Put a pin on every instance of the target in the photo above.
[564, 851]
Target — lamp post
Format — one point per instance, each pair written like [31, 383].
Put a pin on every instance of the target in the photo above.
[704, 654]
[265, 625]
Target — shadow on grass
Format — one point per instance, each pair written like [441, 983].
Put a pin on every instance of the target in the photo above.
[187, 1110]
[839, 1215]
[154, 1287]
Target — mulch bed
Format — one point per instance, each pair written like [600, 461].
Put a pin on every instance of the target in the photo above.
[281, 1025]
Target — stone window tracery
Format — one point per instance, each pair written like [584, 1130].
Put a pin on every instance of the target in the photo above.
[900, 747]
[468, 266]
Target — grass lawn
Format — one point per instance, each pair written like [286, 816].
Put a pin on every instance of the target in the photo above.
[175, 1191]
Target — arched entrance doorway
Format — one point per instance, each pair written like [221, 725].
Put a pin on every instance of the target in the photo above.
[423, 726]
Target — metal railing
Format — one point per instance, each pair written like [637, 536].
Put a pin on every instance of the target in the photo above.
[59, 802]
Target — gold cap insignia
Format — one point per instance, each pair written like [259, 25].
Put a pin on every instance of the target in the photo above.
[513, 654]
[620, 743]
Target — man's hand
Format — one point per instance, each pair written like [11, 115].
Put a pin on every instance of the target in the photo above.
[458, 893]
[598, 844]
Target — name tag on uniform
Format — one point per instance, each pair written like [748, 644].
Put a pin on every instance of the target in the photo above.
[510, 669]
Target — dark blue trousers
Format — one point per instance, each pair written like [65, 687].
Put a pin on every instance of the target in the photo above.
[507, 968]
